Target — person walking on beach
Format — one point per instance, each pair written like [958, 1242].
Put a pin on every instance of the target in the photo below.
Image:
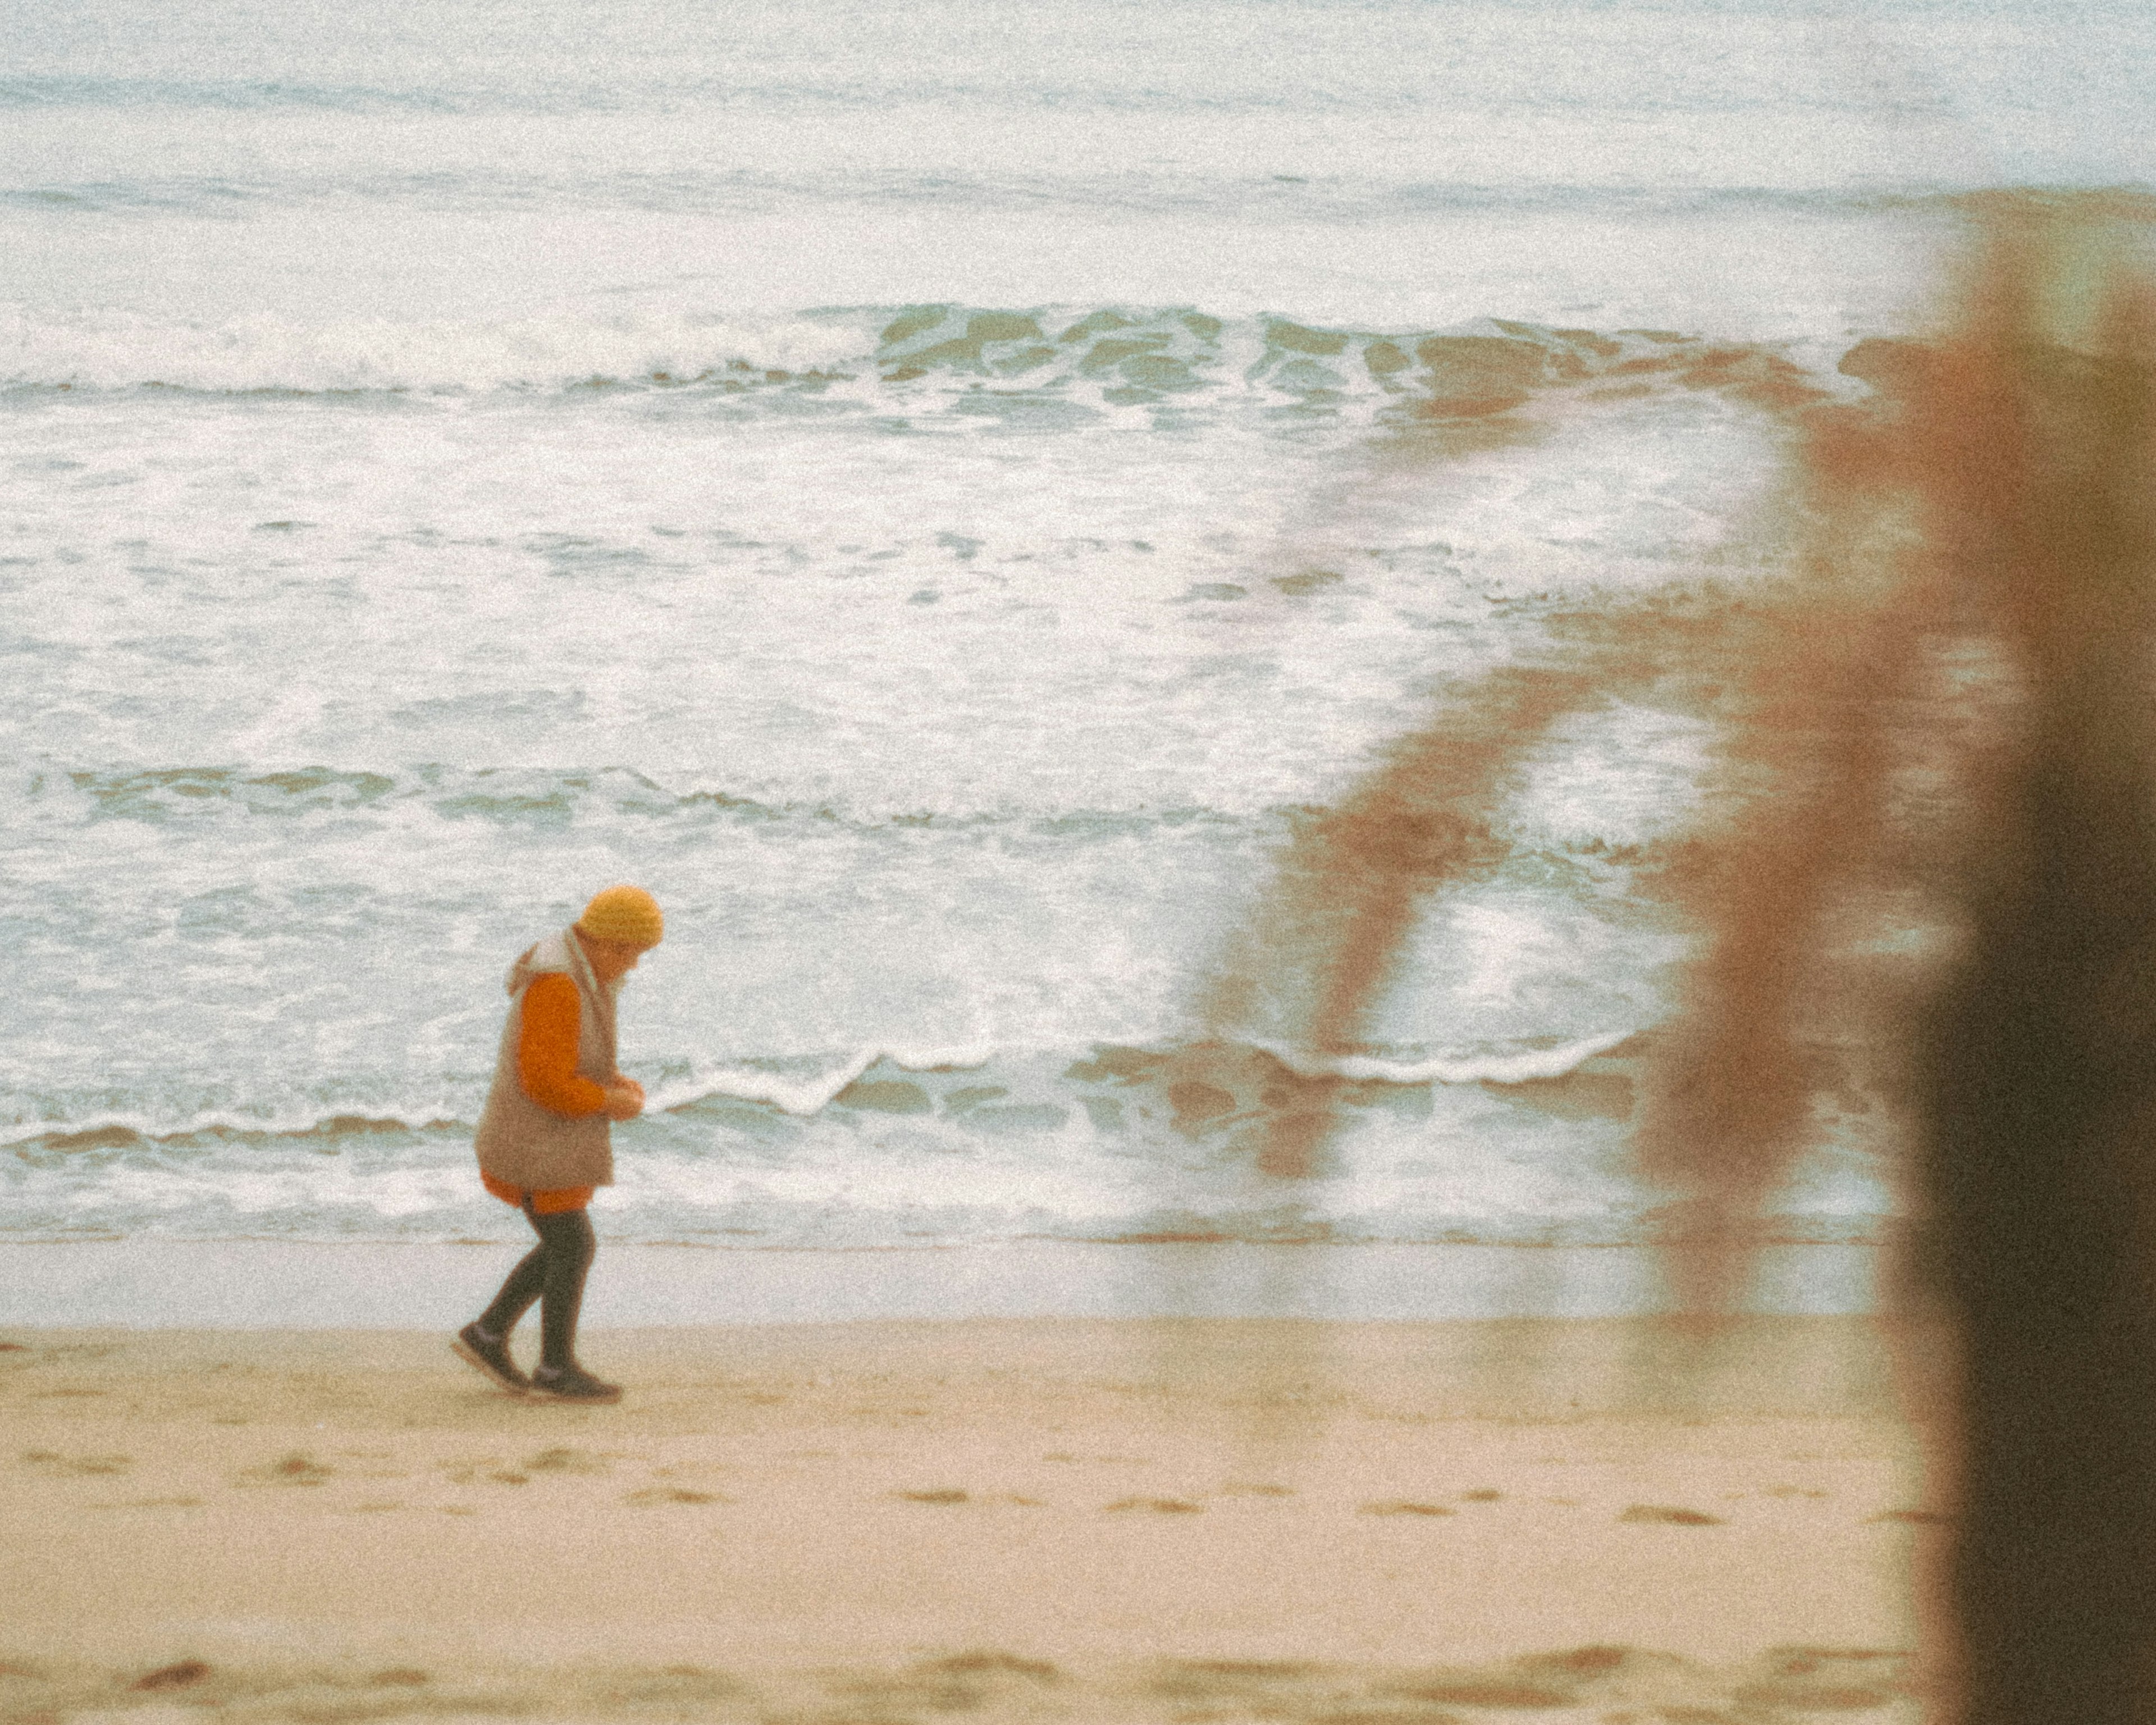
[543, 1139]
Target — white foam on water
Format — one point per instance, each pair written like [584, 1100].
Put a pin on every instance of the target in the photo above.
[1526, 1066]
[810, 1096]
[113, 349]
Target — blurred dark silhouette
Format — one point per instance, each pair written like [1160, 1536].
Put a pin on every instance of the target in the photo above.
[2016, 466]
[1947, 715]
[2029, 440]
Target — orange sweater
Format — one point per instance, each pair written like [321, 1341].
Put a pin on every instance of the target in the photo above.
[547, 1050]
[547, 1068]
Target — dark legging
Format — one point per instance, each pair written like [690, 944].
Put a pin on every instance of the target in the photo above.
[551, 1273]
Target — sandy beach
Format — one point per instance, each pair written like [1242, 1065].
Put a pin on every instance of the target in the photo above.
[1185, 1519]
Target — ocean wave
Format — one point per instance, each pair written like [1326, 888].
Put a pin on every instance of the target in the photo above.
[229, 96]
[1241, 1079]
[1191, 1087]
[803, 1097]
[1528, 1066]
[130, 1128]
[977, 360]
[110, 350]
[1340, 199]
[66, 796]
[520, 797]
[959, 1145]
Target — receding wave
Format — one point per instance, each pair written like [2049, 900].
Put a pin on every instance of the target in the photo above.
[1080, 360]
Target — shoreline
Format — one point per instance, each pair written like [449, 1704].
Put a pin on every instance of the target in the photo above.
[267, 1284]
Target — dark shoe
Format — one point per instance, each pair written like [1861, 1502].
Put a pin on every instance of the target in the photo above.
[572, 1383]
[487, 1354]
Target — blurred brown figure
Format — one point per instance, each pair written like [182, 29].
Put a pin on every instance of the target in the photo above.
[1997, 498]
[2033, 445]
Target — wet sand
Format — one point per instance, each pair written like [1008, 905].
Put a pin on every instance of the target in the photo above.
[1182, 1519]
[307, 1285]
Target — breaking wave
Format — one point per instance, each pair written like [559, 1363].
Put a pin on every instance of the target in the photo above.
[965, 1145]
[953, 1146]
[802, 1087]
[1101, 357]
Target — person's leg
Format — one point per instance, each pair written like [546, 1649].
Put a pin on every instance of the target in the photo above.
[521, 1292]
[485, 1343]
[568, 1246]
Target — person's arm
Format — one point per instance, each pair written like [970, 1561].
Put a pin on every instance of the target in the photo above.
[547, 1050]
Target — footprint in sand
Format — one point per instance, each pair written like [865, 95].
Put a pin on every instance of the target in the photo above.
[185, 1675]
[52, 1461]
[1663, 1514]
[1818, 1680]
[959, 1684]
[1392, 1715]
[296, 1469]
[564, 1460]
[1247, 1688]
[988, 1663]
[941, 1494]
[1482, 1494]
[1159, 1506]
[501, 1473]
[649, 1495]
[1543, 1682]
[1467, 1692]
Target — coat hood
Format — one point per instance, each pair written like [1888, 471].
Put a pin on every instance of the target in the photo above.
[557, 954]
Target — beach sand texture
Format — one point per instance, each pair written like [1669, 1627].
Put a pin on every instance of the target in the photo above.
[1192, 1519]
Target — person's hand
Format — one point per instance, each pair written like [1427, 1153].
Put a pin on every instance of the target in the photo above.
[624, 1099]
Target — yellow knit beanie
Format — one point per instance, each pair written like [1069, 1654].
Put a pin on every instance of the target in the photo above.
[626, 914]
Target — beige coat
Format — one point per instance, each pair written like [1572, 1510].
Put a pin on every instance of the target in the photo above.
[521, 1143]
